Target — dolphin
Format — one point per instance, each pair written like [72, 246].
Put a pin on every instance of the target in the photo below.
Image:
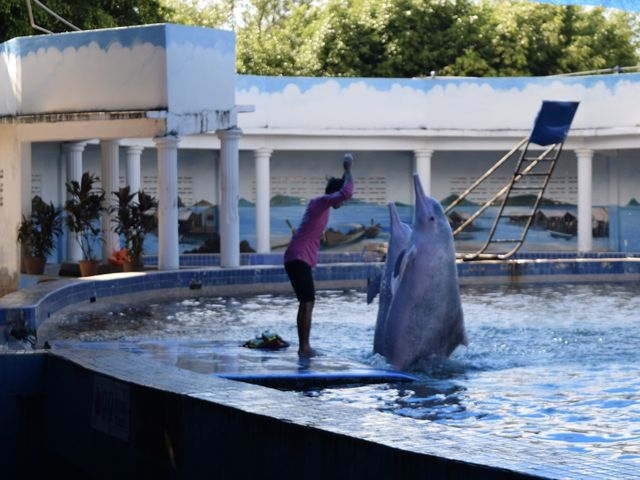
[399, 234]
[425, 315]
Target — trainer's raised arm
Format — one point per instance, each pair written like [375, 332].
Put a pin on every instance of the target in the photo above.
[347, 162]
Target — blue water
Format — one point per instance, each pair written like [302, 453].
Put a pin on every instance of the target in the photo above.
[556, 364]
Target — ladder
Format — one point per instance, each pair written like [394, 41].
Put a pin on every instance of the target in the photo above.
[530, 176]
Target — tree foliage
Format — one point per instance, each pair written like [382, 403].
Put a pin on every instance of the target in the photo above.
[85, 14]
[273, 37]
[405, 38]
[377, 38]
[219, 14]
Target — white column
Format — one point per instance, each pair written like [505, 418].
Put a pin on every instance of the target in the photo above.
[110, 178]
[585, 229]
[26, 178]
[73, 153]
[133, 167]
[26, 196]
[229, 196]
[263, 196]
[423, 167]
[15, 199]
[168, 248]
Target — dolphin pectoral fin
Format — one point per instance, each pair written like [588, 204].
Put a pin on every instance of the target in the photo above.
[374, 287]
[465, 339]
[405, 259]
[398, 264]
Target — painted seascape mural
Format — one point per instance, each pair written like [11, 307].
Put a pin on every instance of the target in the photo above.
[363, 224]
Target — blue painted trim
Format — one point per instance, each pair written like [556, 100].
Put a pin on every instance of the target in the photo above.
[278, 84]
[159, 35]
[127, 37]
[213, 259]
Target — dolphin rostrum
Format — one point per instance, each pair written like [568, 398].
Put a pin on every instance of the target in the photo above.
[399, 234]
[425, 315]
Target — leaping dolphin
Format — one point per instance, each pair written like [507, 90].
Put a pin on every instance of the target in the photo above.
[425, 315]
[399, 234]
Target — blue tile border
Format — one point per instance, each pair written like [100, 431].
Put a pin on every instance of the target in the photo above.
[29, 307]
[213, 259]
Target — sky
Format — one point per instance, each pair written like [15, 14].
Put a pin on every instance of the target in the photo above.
[630, 5]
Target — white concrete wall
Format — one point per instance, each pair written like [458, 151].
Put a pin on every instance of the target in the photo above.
[200, 69]
[15, 159]
[616, 176]
[93, 71]
[459, 104]
[304, 174]
[187, 72]
[9, 78]
[453, 172]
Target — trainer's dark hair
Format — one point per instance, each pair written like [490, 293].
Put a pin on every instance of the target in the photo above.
[333, 185]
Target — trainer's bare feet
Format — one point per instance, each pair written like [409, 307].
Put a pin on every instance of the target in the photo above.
[307, 352]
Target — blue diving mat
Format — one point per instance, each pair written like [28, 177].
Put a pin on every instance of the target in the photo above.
[228, 359]
[553, 122]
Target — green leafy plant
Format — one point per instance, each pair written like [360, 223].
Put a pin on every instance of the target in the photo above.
[134, 220]
[38, 232]
[84, 208]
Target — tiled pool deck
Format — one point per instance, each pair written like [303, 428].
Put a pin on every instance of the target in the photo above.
[420, 440]
[423, 438]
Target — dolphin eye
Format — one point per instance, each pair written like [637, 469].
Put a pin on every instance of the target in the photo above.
[432, 218]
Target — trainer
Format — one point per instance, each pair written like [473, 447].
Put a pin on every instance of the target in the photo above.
[302, 253]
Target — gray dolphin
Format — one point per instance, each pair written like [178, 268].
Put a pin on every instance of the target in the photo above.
[399, 234]
[425, 316]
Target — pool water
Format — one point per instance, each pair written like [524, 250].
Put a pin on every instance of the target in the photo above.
[557, 363]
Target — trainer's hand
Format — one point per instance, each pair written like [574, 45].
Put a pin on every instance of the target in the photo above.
[348, 161]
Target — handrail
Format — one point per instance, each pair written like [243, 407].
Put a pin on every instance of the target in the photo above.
[486, 175]
[504, 189]
[509, 187]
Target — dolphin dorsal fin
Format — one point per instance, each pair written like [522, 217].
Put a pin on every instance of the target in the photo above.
[374, 287]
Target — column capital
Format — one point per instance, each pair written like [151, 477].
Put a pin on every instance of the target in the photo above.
[233, 133]
[263, 152]
[423, 152]
[74, 147]
[168, 141]
[135, 149]
[583, 152]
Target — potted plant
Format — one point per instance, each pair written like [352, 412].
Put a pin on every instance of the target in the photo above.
[134, 220]
[37, 234]
[83, 208]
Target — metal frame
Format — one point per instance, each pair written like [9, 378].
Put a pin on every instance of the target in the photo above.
[550, 155]
[50, 12]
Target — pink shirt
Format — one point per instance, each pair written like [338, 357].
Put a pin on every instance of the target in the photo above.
[305, 243]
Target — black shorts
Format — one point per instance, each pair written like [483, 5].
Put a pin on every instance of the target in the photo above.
[301, 280]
